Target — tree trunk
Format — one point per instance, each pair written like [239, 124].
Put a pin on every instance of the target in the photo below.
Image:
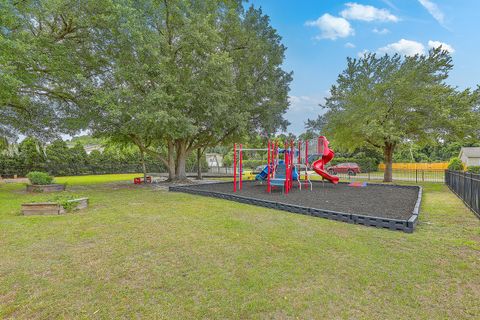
[144, 167]
[171, 161]
[180, 173]
[388, 159]
[199, 164]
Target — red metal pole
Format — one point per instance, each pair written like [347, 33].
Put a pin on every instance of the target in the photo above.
[287, 154]
[299, 152]
[234, 167]
[306, 159]
[274, 154]
[268, 168]
[306, 152]
[292, 156]
[241, 167]
[287, 173]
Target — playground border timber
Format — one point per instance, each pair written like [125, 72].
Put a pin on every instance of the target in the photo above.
[407, 226]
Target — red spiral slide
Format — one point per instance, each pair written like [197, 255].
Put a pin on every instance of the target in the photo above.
[319, 165]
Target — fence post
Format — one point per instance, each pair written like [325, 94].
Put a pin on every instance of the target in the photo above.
[471, 190]
[416, 175]
[470, 203]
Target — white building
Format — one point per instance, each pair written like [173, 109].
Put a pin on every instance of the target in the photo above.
[470, 156]
[214, 159]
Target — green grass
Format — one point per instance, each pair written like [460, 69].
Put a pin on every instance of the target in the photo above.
[139, 253]
[95, 179]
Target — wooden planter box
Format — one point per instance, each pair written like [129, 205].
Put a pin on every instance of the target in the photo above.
[51, 208]
[45, 188]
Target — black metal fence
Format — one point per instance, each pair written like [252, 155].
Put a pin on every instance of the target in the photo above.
[466, 186]
[75, 169]
[413, 175]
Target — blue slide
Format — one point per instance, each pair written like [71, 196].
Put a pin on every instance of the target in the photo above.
[263, 175]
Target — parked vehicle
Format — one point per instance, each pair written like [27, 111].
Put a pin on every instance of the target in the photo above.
[349, 168]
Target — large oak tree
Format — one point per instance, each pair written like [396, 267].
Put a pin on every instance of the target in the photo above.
[385, 101]
[187, 75]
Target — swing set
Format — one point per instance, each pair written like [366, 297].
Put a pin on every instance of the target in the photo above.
[285, 167]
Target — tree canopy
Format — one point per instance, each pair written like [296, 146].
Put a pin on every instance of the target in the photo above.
[46, 53]
[189, 75]
[171, 76]
[386, 101]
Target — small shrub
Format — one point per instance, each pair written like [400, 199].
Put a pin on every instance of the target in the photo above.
[473, 169]
[39, 178]
[455, 164]
[64, 201]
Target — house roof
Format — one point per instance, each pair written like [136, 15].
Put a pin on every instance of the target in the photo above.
[470, 152]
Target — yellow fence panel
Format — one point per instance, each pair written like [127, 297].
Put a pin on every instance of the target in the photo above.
[416, 166]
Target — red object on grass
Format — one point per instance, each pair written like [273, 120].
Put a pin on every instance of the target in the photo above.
[138, 180]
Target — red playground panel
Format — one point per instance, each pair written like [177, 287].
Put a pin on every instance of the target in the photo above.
[139, 180]
[357, 184]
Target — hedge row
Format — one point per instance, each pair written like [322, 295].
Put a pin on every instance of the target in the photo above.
[252, 164]
[473, 169]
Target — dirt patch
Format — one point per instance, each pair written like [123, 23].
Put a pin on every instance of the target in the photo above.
[373, 200]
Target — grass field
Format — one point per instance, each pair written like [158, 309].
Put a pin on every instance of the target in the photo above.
[140, 253]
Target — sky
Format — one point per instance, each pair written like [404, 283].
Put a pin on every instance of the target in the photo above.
[321, 34]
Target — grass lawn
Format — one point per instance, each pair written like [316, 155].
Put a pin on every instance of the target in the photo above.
[140, 253]
[87, 180]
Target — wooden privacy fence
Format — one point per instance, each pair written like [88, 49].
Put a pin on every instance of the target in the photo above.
[466, 186]
[416, 166]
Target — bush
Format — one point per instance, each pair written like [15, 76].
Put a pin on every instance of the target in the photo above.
[252, 164]
[65, 200]
[228, 160]
[473, 169]
[39, 178]
[455, 164]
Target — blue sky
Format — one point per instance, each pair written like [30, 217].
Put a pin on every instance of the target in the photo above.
[320, 34]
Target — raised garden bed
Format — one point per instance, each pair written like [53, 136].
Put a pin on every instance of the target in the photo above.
[52, 208]
[45, 188]
[392, 207]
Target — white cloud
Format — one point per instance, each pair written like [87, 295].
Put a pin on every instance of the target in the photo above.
[349, 45]
[390, 4]
[380, 31]
[303, 104]
[301, 109]
[403, 47]
[332, 27]
[362, 53]
[434, 10]
[445, 46]
[362, 12]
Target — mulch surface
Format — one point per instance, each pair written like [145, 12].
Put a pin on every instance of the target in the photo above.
[372, 200]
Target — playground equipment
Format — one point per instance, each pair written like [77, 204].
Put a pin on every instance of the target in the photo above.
[284, 172]
[327, 155]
